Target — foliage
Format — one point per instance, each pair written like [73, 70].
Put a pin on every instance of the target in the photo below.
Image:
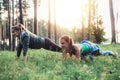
[97, 30]
[77, 34]
[94, 29]
[5, 4]
[43, 30]
[47, 65]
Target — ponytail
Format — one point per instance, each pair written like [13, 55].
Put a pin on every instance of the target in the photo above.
[68, 39]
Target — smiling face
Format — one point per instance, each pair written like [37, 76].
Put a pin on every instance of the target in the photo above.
[16, 31]
[64, 44]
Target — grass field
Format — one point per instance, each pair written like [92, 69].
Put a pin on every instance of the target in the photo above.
[47, 65]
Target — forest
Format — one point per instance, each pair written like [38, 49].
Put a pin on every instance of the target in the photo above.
[52, 19]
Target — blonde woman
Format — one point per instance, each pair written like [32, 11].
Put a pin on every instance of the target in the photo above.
[80, 51]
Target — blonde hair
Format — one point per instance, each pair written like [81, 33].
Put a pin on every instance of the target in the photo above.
[68, 39]
[21, 27]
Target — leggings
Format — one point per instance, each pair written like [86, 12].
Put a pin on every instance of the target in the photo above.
[107, 52]
[49, 45]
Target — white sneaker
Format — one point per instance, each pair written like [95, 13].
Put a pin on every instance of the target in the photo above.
[115, 55]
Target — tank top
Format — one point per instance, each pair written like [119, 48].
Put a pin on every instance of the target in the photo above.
[85, 48]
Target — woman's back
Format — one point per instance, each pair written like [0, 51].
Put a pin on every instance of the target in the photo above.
[35, 42]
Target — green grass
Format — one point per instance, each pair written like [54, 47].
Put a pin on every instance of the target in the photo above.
[48, 65]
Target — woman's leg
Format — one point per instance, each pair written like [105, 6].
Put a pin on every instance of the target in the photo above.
[49, 45]
[107, 52]
[83, 56]
[110, 53]
[96, 53]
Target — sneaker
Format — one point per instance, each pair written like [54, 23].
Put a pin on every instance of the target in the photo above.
[115, 55]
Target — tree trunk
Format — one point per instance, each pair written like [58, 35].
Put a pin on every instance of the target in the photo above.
[49, 26]
[55, 28]
[13, 25]
[10, 26]
[35, 17]
[20, 10]
[83, 31]
[89, 20]
[113, 40]
[13, 12]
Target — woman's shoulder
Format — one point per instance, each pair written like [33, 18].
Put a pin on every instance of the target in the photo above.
[77, 46]
[24, 34]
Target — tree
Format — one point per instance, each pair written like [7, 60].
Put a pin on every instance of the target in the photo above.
[113, 40]
[25, 6]
[35, 17]
[13, 24]
[49, 25]
[21, 12]
[97, 31]
[43, 28]
[55, 28]
[5, 4]
[89, 18]
[83, 28]
[96, 28]
[10, 26]
[13, 12]
[94, 31]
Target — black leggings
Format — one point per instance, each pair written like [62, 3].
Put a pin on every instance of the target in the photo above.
[49, 45]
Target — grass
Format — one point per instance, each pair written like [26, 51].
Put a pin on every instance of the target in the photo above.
[48, 65]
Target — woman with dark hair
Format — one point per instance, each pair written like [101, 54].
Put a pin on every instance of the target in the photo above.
[80, 51]
[30, 40]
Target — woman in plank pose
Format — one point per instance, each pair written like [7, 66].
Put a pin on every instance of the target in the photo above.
[80, 51]
[30, 40]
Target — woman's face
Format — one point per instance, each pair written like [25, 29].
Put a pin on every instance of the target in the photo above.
[16, 33]
[64, 44]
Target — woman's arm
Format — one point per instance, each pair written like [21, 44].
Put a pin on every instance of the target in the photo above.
[63, 54]
[19, 49]
[77, 54]
[25, 42]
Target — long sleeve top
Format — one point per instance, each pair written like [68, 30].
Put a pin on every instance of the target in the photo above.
[28, 40]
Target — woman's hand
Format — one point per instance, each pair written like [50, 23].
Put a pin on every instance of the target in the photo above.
[67, 55]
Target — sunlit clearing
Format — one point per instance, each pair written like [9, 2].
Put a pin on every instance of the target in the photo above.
[67, 12]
